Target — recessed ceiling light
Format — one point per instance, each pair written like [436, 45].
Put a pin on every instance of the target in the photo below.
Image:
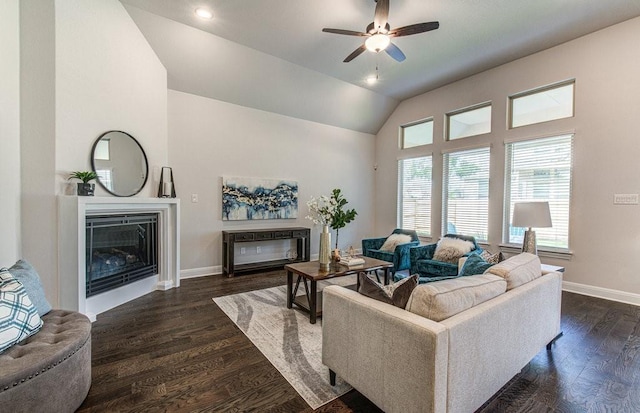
[204, 13]
[371, 79]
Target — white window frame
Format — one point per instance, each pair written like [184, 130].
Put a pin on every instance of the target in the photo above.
[422, 203]
[409, 125]
[538, 91]
[558, 196]
[467, 209]
[469, 109]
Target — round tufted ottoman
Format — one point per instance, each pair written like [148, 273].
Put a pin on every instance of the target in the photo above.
[51, 370]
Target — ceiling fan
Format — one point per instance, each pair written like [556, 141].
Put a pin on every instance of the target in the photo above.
[379, 34]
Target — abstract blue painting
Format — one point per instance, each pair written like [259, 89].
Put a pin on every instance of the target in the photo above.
[258, 198]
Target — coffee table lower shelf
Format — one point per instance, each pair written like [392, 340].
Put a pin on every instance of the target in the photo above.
[302, 302]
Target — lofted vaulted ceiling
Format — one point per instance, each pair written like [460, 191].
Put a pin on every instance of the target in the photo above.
[273, 55]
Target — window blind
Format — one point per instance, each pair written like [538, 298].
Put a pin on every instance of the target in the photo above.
[414, 194]
[540, 170]
[466, 193]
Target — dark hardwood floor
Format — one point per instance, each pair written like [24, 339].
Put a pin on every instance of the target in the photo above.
[176, 351]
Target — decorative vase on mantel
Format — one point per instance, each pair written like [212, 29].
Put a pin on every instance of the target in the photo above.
[324, 255]
[85, 189]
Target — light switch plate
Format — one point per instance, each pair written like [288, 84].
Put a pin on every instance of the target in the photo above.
[625, 199]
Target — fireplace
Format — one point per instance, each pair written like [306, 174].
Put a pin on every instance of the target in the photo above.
[120, 249]
[73, 257]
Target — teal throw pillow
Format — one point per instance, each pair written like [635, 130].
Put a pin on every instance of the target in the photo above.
[29, 278]
[18, 317]
[475, 264]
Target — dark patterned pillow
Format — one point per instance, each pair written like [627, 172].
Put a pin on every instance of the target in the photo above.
[492, 258]
[19, 318]
[396, 294]
[474, 265]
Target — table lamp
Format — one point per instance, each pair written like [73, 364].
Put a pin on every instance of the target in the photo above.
[531, 215]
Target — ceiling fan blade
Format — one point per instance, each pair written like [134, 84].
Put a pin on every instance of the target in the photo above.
[414, 29]
[393, 51]
[382, 14]
[346, 32]
[355, 54]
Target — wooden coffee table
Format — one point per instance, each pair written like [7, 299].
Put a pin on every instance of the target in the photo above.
[309, 273]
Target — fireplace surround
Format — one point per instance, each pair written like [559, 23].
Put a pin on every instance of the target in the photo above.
[73, 212]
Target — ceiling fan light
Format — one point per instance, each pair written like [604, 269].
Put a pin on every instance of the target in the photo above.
[377, 42]
[204, 13]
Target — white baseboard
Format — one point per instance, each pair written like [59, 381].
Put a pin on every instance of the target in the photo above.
[200, 272]
[600, 292]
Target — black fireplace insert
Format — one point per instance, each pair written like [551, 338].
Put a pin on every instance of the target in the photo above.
[120, 249]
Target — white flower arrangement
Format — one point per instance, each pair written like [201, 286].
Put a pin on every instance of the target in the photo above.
[322, 210]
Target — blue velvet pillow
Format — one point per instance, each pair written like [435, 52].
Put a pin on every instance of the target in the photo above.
[29, 278]
[475, 264]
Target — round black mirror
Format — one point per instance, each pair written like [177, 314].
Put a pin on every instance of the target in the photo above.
[120, 163]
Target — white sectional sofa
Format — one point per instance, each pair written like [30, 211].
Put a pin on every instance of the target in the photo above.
[404, 362]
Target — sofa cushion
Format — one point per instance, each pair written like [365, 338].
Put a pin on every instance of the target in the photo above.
[397, 293]
[518, 270]
[440, 300]
[29, 278]
[19, 318]
[451, 249]
[474, 264]
[393, 241]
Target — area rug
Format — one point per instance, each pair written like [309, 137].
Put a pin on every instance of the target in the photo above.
[287, 339]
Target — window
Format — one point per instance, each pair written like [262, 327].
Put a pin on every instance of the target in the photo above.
[540, 170]
[416, 134]
[102, 150]
[541, 105]
[466, 193]
[414, 194]
[469, 122]
[104, 175]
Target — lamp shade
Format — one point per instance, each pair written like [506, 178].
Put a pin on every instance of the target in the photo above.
[531, 215]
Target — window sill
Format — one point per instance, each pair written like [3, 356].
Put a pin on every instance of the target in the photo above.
[542, 252]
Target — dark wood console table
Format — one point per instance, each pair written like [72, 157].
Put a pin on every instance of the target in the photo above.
[230, 238]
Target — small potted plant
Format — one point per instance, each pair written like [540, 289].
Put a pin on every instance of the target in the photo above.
[84, 188]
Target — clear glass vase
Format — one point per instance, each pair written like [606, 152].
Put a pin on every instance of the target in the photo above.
[324, 256]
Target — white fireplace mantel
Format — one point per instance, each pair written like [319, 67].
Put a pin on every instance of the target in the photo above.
[72, 211]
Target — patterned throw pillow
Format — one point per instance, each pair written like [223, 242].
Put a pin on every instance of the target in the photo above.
[19, 318]
[492, 258]
[396, 294]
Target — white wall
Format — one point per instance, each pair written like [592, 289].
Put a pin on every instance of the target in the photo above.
[604, 238]
[107, 78]
[85, 69]
[209, 139]
[37, 140]
[9, 132]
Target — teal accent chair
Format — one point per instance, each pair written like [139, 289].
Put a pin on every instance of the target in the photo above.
[422, 262]
[399, 257]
